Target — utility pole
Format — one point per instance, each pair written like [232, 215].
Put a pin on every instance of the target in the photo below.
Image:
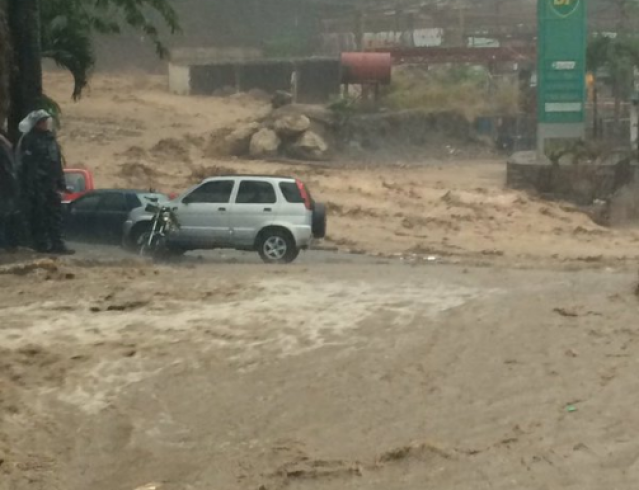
[361, 24]
[462, 23]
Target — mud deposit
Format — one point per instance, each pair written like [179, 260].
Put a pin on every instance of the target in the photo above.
[316, 377]
[333, 373]
[132, 133]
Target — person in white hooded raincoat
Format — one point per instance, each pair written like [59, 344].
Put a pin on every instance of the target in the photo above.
[41, 176]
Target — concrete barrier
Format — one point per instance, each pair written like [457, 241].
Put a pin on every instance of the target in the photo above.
[579, 183]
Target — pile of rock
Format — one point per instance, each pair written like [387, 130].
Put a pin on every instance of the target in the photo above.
[289, 134]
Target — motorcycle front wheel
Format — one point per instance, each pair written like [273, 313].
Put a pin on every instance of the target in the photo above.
[150, 246]
[157, 248]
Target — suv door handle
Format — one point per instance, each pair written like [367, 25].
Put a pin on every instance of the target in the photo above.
[268, 210]
[221, 209]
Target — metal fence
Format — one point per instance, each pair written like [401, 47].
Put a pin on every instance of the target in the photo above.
[519, 133]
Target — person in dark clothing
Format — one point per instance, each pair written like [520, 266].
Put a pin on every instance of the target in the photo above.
[42, 181]
[9, 236]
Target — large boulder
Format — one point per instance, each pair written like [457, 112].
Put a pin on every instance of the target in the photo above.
[316, 113]
[281, 99]
[239, 141]
[309, 146]
[291, 125]
[264, 143]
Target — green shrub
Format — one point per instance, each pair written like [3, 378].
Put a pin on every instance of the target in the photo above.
[466, 90]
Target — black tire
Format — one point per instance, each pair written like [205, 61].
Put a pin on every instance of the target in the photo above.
[159, 250]
[132, 244]
[319, 220]
[277, 247]
[144, 249]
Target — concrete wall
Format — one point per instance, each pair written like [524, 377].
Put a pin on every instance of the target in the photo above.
[269, 77]
[206, 80]
[179, 79]
[579, 183]
[203, 56]
[318, 80]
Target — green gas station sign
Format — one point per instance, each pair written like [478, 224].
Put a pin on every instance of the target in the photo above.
[561, 64]
[565, 8]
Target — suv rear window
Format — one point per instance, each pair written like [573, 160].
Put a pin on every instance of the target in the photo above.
[255, 192]
[291, 192]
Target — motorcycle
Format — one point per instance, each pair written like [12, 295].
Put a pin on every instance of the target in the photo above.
[154, 243]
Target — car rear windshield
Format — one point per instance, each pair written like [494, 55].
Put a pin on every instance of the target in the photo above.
[77, 181]
[152, 197]
[291, 192]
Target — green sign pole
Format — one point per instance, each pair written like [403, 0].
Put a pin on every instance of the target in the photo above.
[561, 69]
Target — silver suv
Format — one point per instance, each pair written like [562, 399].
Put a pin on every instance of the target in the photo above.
[274, 216]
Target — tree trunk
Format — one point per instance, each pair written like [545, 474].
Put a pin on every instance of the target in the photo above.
[617, 118]
[26, 79]
[5, 64]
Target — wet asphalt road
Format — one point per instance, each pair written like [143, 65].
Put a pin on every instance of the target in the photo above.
[100, 252]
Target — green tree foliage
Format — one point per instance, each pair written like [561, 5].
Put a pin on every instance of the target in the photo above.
[613, 60]
[63, 30]
[68, 27]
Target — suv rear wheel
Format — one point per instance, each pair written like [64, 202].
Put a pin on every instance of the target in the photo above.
[277, 247]
[319, 220]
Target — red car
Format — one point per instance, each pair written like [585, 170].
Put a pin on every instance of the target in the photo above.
[79, 182]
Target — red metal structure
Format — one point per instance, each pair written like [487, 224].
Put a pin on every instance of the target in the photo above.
[366, 68]
[479, 56]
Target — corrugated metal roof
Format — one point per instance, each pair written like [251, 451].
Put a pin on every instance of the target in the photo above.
[253, 61]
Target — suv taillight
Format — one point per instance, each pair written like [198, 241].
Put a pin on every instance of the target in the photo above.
[304, 194]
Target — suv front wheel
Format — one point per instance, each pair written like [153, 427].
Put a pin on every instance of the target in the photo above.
[277, 247]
